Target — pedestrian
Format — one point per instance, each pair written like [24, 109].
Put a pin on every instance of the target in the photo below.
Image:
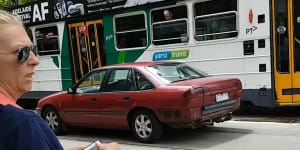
[22, 129]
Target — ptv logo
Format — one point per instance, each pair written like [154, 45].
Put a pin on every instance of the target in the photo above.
[251, 30]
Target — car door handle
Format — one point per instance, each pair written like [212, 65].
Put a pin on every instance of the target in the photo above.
[126, 98]
[94, 99]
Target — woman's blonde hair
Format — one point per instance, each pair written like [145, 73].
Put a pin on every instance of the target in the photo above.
[8, 18]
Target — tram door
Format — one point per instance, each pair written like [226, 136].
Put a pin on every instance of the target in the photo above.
[286, 34]
[87, 47]
[296, 51]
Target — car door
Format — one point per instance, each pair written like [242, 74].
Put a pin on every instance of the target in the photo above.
[83, 109]
[117, 98]
[146, 95]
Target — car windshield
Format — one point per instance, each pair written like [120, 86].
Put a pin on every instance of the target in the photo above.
[174, 72]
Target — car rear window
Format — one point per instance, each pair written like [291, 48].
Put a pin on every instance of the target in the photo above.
[174, 72]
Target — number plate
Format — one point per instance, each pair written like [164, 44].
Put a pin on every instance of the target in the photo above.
[222, 97]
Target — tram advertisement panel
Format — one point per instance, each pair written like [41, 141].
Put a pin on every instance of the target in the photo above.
[107, 5]
[52, 10]
[47, 11]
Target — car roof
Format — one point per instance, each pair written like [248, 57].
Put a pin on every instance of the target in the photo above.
[138, 64]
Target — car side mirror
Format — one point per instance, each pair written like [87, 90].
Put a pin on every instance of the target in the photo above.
[70, 90]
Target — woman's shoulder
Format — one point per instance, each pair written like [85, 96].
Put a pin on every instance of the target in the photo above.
[11, 115]
[22, 123]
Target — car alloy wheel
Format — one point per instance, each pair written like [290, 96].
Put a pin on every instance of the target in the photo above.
[145, 127]
[53, 120]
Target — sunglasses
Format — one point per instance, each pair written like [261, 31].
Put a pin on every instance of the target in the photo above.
[23, 53]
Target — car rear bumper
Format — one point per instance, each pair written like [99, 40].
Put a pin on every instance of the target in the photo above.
[197, 116]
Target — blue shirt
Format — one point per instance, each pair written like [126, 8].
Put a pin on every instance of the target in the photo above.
[25, 130]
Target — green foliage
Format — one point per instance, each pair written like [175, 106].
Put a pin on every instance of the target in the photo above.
[5, 4]
[21, 2]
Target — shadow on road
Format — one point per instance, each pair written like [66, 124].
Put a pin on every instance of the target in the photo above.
[171, 139]
[202, 138]
[261, 114]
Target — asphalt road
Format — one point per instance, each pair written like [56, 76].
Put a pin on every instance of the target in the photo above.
[233, 135]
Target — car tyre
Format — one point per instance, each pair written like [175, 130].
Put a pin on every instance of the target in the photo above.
[53, 120]
[145, 126]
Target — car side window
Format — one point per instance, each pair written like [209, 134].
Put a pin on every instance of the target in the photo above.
[92, 83]
[120, 80]
[142, 83]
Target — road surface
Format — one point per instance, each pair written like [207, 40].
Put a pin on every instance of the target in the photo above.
[231, 135]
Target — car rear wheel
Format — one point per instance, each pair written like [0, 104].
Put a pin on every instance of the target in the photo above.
[145, 127]
[53, 120]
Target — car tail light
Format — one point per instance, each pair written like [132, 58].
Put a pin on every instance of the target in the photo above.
[238, 84]
[193, 92]
[239, 88]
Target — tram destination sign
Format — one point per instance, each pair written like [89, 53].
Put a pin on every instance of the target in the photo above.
[54, 10]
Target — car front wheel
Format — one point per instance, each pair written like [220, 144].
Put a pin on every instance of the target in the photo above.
[145, 127]
[52, 119]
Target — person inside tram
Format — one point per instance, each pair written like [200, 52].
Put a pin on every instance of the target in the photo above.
[176, 31]
[168, 15]
[22, 129]
[121, 43]
[39, 35]
[51, 35]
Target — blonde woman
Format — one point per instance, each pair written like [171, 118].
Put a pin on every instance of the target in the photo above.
[22, 129]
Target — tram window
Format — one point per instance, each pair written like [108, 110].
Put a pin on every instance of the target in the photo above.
[47, 40]
[282, 37]
[131, 31]
[215, 20]
[297, 36]
[169, 25]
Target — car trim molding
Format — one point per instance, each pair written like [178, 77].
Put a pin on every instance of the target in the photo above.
[98, 113]
[220, 106]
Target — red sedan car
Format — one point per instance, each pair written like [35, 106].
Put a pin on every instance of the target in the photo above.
[143, 97]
